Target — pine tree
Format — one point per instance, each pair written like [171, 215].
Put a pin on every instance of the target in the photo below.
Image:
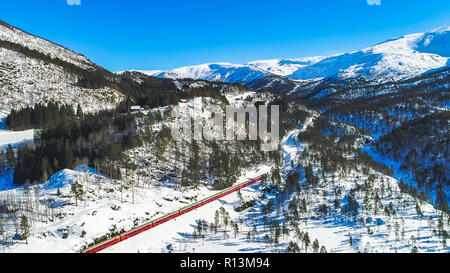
[148, 135]
[77, 191]
[45, 169]
[316, 246]
[236, 229]
[306, 241]
[79, 112]
[10, 155]
[293, 247]
[25, 227]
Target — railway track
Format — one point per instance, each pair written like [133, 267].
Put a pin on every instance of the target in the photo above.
[125, 235]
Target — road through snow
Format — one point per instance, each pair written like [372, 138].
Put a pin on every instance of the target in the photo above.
[292, 148]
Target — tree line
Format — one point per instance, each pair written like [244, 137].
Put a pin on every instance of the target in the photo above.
[42, 116]
[91, 139]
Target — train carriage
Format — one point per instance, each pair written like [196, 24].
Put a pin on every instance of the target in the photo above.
[123, 236]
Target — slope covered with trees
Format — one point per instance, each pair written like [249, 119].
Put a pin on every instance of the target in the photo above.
[422, 147]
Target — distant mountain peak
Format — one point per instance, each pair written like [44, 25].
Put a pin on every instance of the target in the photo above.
[395, 59]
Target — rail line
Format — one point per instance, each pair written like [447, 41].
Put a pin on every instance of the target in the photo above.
[125, 235]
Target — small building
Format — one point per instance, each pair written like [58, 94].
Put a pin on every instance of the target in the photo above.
[135, 109]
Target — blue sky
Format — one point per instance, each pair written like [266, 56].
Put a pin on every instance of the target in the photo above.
[138, 34]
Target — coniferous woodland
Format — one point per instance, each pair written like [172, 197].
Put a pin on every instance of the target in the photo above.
[333, 179]
[105, 141]
[422, 146]
[154, 92]
[91, 139]
[220, 161]
[408, 121]
[41, 116]
[68, 138]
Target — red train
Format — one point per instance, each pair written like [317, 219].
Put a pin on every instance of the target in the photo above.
[167, 217]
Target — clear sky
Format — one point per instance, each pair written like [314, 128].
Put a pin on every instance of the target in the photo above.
[148, 34]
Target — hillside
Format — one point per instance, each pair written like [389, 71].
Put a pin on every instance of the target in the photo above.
[362, 164]
[34, 70]
[321, 189]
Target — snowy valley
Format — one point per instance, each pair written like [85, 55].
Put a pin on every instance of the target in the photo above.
[86, 154]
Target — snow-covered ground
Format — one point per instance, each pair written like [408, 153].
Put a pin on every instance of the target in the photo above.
[61, 225]
[15, 138]
[400, 175]
[399, 232]
[177, 235]
[337, 232]
[65, 227]
[292, 148]
[15, 35]
[27, 79]
[177, 230]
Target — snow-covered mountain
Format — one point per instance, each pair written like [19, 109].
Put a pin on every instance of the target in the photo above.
[223, 72]
[34, 70]
[247, 75]
[20, 37]
[396, 59]
[351, 175]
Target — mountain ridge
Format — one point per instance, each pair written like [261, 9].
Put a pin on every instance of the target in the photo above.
[34, 70]
[399, 58]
